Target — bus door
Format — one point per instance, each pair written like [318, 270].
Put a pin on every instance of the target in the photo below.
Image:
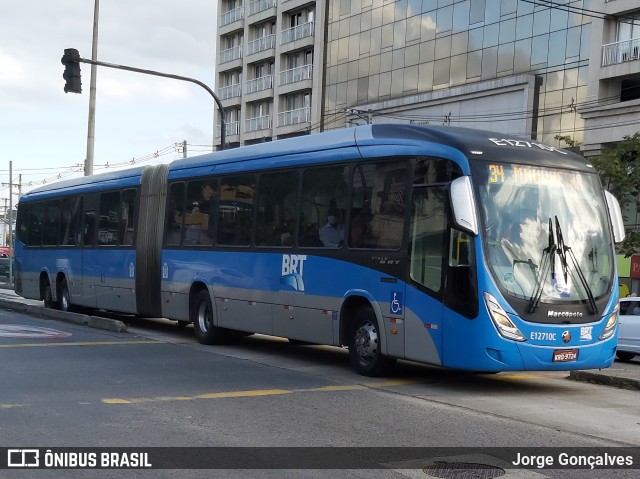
[115, 253]
[428, 250]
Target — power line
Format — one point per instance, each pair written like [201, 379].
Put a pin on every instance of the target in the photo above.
[577, 10]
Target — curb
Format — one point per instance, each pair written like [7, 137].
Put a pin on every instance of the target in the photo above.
[597, 378]
[95, 322]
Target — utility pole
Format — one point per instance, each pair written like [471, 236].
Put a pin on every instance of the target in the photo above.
[10, 222]
[184, 149]
[91, 131]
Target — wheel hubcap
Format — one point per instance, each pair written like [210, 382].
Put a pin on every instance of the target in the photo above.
[205, 317]
[366, 342]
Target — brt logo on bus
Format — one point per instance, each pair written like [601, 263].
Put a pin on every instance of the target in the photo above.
[292, 271]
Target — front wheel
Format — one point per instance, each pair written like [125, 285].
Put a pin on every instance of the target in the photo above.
[364, 345]
[202, 318]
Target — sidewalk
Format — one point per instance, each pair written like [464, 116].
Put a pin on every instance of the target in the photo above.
[625, 375]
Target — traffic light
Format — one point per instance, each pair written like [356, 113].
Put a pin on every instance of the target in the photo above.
[71, 62]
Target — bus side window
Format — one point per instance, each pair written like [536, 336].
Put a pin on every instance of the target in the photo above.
[323, 189]
[109, 222]
[89, 228]
[235, 213]
[199, 214]
[175, 214]
[378, 205]
[127, 223]
[276, 209]
[36, 220]
[51, 224]
[70, 230]
[21, 223]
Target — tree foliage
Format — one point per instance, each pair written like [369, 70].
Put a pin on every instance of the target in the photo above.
[619, 170]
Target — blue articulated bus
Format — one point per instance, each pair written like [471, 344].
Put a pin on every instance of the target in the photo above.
[453, 247]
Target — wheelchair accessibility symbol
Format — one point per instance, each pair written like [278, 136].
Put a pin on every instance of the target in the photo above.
[396, 304]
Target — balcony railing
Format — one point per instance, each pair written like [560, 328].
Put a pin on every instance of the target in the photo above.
[230, 54]
[232, 128]
[260, 6]
[292, 117]
[621, 52]
[261, 44]
[230, 91]
[257, 123]
[296, 74]
[296, 33]
[231, 16]
[259, 84]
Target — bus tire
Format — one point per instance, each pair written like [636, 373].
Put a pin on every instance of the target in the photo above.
[364, 345]
[624, 356]
[65, 297]
[202, 319]
[47, 297]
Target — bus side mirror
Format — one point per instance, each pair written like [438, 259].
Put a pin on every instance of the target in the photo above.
[463, 205]
[615, 213]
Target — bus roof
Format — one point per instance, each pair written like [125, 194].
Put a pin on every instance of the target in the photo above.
[482, 145]
[475, 144]
[128, 177]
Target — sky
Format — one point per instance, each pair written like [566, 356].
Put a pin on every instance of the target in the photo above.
[43, 130]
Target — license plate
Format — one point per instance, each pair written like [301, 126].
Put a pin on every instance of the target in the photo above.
[565, 355]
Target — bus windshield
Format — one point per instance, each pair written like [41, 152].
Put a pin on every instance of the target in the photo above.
[529, 213]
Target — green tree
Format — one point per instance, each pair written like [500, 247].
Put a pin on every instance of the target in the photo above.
[619, 170]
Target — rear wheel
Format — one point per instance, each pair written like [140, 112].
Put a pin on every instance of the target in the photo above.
[47, 297]
[364, 345]
[202, 318]
[624, 356]
[65, 298]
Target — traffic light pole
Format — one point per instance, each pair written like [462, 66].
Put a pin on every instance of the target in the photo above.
[175, 77]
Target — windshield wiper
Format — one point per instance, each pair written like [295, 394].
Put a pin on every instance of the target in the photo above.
[546, 262]
[563, 252]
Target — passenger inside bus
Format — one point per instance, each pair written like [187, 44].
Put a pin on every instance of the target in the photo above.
[332, 233]
[359, 233]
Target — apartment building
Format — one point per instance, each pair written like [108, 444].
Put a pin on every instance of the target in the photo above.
[612, 109]
[269, 68]
[540, 68]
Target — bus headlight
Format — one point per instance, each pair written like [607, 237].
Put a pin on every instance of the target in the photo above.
[505, 326]
[610, 327]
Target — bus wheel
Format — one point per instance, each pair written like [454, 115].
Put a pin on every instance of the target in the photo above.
[48, 297]
[624, 356]
[202, 318]
[65, 298]
[364, 345]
